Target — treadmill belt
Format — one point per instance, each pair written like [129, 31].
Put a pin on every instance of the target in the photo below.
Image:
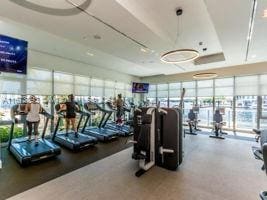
[102, 131]
[27, 148]
[72, 139]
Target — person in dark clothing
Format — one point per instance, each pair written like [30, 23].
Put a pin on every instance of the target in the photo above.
[71, 108]
[119, 105]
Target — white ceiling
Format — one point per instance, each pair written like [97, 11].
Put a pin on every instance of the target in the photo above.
[222, 26]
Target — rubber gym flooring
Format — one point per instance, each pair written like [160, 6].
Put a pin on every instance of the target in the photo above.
[15, 179]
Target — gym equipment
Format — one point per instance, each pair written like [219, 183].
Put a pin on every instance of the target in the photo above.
[123, 130]
[26, 152]
[218, 123]
[158, 138]
[70, 141]
[100, 132]
[193, 121]
[258, 134]
[263, 151]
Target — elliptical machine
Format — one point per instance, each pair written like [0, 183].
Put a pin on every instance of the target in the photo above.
[158, 138]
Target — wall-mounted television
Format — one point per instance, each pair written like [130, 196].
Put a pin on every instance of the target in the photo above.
[13, 55]
[140, 87]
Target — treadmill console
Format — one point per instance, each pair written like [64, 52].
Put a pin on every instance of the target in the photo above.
[90, 106]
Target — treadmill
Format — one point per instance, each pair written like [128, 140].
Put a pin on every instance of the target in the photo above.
[100, 132]
[70, 141]
[25, 151]
[123, 130]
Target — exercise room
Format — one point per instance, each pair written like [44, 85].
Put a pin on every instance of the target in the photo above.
[133, 99]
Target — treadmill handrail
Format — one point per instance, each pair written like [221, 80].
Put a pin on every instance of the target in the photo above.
[61, 115]
[15, 112]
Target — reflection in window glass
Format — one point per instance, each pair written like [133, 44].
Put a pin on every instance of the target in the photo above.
[227, 103]
[246, 112]
[188, 104]
[205, 114]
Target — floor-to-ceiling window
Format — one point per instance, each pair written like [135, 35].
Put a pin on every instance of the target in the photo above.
[162, 93]
[205, 102]
[11, 88]
[189, 98]
[174, 94]
[151, 96]
[223, 92]
[97, 90]
[109, 92]
[246, 90]
[263, 101]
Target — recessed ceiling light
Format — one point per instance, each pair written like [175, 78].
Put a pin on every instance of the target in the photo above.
[143, 50]
[89, 54]
[254, 56]
[208, 75]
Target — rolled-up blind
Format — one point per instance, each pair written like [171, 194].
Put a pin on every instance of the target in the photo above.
[39, 87]
[246, 85]
[10, 86]
[163, 94]
[224, 87]
[39, 82]
[190, 88]
[263, 85]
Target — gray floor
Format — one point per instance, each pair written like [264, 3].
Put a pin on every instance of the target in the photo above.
[212, 170]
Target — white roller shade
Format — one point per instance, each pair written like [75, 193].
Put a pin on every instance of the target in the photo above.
[81, 90]
[175, 93]
[163, 94]
[224, 91]
[151, 94]
[247, 85]
[63, 88]
[205, 84]
[263, 85]
[109, 84]
[224, 82]
[63, 77]
[109, 92]
[97, 82]
[39, 87]
[162, 87]
[10, 86]
[152, 87]
[190, 93]
[40, 75]
[82, 80]
[97, 92]
[205, 92]
[188, 85]
[174, 86]
[119, 86]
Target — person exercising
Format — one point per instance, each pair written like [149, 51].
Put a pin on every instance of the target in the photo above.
[33, 108]
[71, 108]
[119, 105]
[218, 120]
[191, 120]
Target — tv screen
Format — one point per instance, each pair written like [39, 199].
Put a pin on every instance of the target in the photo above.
[140, 87]
[13, 55]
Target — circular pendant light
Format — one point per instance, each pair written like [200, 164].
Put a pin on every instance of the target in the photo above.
[208, 75]
[179, 56]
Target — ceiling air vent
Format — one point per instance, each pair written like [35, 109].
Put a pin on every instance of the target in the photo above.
[218, 57]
